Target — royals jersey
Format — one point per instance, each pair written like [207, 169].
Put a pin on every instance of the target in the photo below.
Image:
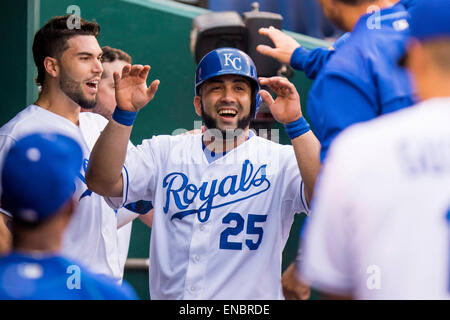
[380, 223]
[91, 236]
[219, 227]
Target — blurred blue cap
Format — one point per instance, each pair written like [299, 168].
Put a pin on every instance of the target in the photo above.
[430, 19]
[38, 175]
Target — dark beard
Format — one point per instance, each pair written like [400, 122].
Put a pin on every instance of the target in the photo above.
[211, 123]
[73, 90]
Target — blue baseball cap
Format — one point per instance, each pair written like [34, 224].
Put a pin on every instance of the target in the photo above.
[38, 176]
[224, 61]
[430, 19]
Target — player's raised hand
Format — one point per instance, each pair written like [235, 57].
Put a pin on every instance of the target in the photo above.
[284, 45]
[132, 93]
[286, 107]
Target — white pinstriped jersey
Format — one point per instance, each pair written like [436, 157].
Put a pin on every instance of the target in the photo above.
[379, 227]
[219, 228]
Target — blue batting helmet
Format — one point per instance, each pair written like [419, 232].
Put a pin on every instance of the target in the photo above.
[225, 61]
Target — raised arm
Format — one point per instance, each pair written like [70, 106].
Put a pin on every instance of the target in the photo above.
[286, 109]
[104, 173]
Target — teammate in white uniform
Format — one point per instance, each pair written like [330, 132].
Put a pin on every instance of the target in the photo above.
[69, 69]
[113, 60]
[222, 217]
[379, 227]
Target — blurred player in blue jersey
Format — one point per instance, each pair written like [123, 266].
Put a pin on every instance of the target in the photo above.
[38, 183]
[360, 79]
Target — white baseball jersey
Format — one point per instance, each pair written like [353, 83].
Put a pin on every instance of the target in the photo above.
[91, 237]
[124, 226]
[123, 244]
[219, 228]
[379, 226]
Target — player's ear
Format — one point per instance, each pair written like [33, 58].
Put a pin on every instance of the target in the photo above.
[51, 66]
[198, 105]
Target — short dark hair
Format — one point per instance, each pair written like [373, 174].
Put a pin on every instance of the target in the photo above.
[113, 54]
[51, 40]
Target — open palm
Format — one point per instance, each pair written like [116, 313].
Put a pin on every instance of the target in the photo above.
[132, 93]
[286, 107]
[285, 45]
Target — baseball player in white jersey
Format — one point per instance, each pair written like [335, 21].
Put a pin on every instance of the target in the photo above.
[69, 70]
[380, 225]
[223, 207]
[113, 60]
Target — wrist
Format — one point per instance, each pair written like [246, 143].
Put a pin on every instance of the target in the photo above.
[123, 117]
[298, 57]
[297, 128]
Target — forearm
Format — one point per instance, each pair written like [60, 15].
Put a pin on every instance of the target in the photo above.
[104, 174]
[307, 153]
[147, 218]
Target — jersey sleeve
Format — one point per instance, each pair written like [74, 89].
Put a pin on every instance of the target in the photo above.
[295, 188]
[310, 61]
[139, 174]
[336, 102]
[326, 252]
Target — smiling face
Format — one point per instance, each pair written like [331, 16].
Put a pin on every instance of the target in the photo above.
[225, 103]
[80, 70]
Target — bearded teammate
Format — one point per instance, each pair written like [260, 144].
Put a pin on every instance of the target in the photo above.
[223, 207]
[381, 222]
[69, 70]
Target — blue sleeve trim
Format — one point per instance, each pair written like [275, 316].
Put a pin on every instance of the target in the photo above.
[140, 207]
[301, 197]
[126, 192]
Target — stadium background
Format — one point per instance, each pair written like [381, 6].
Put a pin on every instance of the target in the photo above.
[154, 32]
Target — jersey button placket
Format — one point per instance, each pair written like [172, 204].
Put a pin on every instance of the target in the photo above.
[195, 274]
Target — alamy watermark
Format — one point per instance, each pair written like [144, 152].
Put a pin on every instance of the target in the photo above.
[373, 281]
[374, 20]
[74, 21]
[74, 279]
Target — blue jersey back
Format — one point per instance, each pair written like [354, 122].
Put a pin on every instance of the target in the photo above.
[26, 277]
[362, 79]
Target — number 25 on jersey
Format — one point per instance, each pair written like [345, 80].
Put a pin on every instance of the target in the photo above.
[252, 229]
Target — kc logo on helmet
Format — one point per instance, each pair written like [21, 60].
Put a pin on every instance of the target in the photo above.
[233, 61]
